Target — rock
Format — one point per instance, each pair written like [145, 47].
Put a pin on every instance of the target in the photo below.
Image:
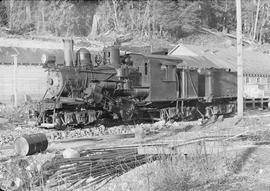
[169, 123]
[228, 43]
[139, 132]
[32, 123]
[200, 121]
[3, 120]
[17, 184]
[90, 179]
[220, 118]
[160, 124]
[176, 124]
[23, 163]
[39, 167]
[19, 128]
[71, 153]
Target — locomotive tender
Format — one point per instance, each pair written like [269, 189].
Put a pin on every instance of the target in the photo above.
[131, 86]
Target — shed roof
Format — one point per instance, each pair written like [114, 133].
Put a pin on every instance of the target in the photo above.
[164, 59]
[28, 55]
[254, 63]
[174, 59]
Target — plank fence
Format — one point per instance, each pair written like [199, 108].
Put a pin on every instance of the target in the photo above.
[256, 103]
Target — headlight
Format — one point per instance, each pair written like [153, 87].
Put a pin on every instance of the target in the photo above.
[48, 59]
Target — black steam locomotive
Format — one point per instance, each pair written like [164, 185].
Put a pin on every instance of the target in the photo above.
[131, 86]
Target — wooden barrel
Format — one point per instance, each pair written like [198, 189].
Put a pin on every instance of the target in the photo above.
[30, 144]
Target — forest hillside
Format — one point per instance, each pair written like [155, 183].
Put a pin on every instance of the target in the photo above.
[171, 20]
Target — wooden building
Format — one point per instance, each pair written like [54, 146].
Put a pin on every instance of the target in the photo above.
[256, 65]
[28, 78]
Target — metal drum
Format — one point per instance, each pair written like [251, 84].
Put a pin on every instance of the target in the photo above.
[30, 144]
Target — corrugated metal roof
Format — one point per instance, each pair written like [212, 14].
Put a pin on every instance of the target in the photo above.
[253, 62]
[165, 59]
[197, 62]
[191, 58]
[173, 59]
[28, 55]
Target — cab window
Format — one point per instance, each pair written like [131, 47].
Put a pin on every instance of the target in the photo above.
[168, 72]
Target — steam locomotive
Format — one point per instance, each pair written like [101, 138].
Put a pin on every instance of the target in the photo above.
[131, 86]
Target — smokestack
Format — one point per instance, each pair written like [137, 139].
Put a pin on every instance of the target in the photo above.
[68, 51]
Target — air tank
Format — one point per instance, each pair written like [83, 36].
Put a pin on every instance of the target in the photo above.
[84, 58]
[68, 51]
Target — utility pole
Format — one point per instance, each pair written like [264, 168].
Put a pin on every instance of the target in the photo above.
[239, 60]
[15, 65]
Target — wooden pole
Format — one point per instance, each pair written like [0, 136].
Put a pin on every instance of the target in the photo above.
[15, 80]
[256, 20]
[11, 3]
[239, 60]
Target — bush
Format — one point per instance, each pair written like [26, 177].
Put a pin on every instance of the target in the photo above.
[148, 18]
[177, 173]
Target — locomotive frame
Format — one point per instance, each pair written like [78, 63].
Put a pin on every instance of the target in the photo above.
[132, 86]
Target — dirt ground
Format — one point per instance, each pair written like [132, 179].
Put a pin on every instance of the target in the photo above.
[247, 150]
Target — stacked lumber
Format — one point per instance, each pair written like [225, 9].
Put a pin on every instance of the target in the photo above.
[95, 167]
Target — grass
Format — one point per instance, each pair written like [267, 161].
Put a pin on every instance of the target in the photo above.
[186, 173]
[225, 170]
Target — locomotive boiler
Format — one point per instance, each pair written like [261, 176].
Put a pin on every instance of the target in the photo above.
[130, 86]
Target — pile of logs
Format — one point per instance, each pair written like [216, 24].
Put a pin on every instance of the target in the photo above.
[95, 167]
